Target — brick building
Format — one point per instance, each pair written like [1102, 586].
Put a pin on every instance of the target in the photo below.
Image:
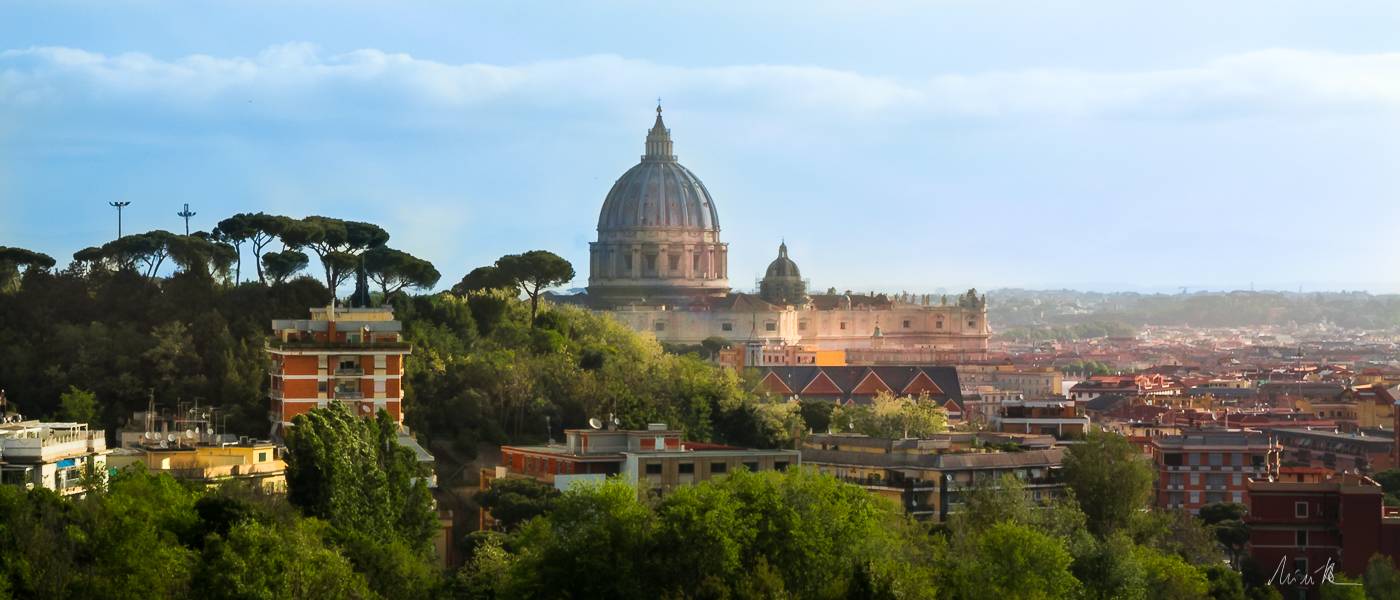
[1300, 525]
[1205, 467]
[354, 356]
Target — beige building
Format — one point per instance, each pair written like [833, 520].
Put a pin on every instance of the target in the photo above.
[659, 266]
[929, 478]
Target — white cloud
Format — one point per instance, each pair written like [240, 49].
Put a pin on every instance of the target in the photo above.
[295, 80]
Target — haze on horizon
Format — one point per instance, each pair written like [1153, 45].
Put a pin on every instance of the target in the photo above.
[901, 146]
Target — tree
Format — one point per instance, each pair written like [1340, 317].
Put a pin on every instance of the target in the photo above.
[893, 417]
[286, 561]
[513, 501]
[78, 406]
[394, 270]
[146, 250]
[352, 472]
[1226, 521]
[533, 272]
[1011, 561]
[257, 228]
[482, 279]
[11, 259]
[816, 414]
[1109, 478]
[336, 242]
[1382, 580]
[281, 266]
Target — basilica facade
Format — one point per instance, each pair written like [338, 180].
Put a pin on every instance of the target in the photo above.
[660, 266]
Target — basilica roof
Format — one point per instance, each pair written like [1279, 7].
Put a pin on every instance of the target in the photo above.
[658, 193]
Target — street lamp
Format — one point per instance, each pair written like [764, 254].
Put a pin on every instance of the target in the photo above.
[119, 206]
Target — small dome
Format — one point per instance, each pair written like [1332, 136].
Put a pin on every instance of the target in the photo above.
[658, 193]
[783, 283]
[783, 266]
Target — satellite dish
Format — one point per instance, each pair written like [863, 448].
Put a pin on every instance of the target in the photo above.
[149, 435]
[364, 408]
[189, 434]
[170, 437]
[595, 423]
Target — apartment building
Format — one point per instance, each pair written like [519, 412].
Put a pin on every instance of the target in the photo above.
[929, 477]
[56, 456]
[353, 356]
[656, 460]
[1204, 467]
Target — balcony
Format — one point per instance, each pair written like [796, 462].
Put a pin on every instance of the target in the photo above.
[322, 345]
[348, 395]
[349, 372]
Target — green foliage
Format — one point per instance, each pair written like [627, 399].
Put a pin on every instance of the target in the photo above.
[1008, 560]
[292, 561]
[894, 417]
[1382, 580]
[395, 270]
[513, 501]
[78, 406]
[534, 272]
[793, 534]
[353, 473]
[1110, 479]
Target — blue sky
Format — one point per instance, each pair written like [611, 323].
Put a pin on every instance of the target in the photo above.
[895, 145]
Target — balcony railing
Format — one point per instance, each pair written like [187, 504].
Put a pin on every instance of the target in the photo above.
[349, 395]
[360, 345]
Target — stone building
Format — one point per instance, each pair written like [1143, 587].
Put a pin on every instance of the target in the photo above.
[659, 265]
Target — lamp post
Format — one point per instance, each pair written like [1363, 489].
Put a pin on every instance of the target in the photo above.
[119, 206]
[186, 214]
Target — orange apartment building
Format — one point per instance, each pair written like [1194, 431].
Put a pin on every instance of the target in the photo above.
[354, 356]
[1204, 467]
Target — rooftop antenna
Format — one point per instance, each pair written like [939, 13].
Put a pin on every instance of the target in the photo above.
[187, 213]
[119, 206]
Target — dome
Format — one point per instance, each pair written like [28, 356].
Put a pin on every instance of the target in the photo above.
[658, 193]
[782, 266]
[658, 235]
[783, 283]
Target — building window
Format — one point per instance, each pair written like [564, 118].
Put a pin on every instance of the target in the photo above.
[1300, 538]
[780, 465]
[1300, 510]
[381, 361]
[675, 262]
[695, 263]
[650, 262]
[1195, 479]
[653, 468]
[1193, 458]
[687, 468]
[938, 325]
[907, 323]
[1300, 564]
[1195, 497]
[971, 323]
[320, 387]
[658, 326]
[380, 386]
[1215, 459]
[717, 468]
[752, 466]
[843, 325]
[770, 326]
[802, 326]
[262, 457]
[726, 327]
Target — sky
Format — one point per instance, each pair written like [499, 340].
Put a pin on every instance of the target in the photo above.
[919, 146]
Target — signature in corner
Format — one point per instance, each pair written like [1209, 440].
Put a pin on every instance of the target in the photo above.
[1299, 577]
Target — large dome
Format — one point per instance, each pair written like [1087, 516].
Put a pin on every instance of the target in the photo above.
[658, 193]
[658, 234]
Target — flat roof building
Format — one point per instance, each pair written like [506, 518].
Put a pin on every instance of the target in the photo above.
[56, 456]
